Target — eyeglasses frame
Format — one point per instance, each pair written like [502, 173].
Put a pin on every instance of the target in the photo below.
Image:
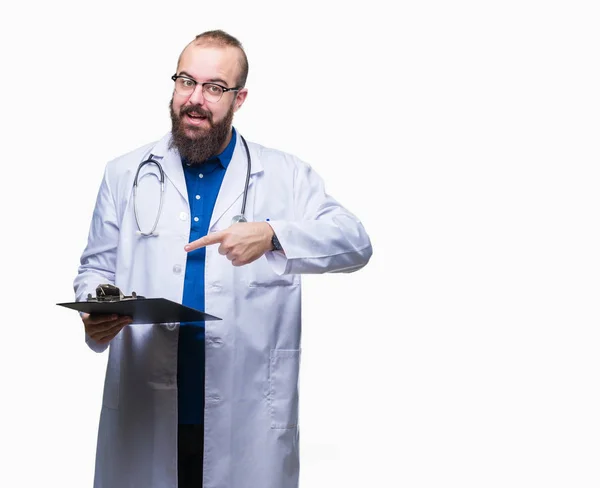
[175, 77]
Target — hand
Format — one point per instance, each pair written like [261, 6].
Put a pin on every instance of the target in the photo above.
[242, 243]
[104, 328]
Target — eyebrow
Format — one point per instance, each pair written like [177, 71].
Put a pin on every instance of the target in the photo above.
[212, 80]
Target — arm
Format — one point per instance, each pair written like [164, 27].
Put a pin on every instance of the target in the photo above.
[98, 260]
[324, 237]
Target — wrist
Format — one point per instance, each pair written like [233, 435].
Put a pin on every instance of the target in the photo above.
[269, 237]
[274, 244]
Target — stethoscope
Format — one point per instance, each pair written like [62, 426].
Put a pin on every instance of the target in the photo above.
[238, 218]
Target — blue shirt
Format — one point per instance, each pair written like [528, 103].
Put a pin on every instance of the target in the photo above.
[203, 183]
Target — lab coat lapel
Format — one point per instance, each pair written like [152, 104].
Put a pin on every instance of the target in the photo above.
[232, 187]
[171, 164]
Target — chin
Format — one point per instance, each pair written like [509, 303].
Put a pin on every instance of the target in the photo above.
[193, 132]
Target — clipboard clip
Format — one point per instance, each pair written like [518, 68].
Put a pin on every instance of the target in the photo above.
[111, 293]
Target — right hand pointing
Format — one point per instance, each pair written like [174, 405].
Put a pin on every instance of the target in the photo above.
[104, 328]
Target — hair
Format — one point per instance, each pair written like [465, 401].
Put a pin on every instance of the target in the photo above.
[220, 38]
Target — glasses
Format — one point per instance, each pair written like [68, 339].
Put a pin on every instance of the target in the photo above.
[212, 92]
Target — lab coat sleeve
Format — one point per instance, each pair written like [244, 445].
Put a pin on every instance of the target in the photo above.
[323, 237]
[98, 260]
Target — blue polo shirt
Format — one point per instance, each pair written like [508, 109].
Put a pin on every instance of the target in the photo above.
[203, 183]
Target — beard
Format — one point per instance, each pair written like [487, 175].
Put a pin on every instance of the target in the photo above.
[204, 143]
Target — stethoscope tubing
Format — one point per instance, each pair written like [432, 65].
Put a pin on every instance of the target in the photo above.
[151, 160]
[247, 179]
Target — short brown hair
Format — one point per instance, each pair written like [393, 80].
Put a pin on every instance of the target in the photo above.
[221, 39]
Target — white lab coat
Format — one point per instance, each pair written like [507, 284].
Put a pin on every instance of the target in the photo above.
[252, 355]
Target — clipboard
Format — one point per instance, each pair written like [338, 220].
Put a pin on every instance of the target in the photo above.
[109, 300]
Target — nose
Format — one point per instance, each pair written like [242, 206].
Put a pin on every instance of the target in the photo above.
[197, 96]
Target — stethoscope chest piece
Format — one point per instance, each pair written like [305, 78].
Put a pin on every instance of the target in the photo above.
[238, 218]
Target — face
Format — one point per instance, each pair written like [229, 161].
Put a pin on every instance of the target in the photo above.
[201, 128]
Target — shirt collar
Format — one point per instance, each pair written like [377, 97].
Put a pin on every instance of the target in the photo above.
[225, 157]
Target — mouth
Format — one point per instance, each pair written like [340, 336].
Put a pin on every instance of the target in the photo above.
[195, 118]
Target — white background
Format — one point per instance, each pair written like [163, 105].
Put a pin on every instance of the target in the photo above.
[463, 134]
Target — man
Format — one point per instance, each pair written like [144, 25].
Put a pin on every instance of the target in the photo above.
[217, 402]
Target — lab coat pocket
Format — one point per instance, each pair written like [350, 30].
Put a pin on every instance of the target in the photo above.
[284, 367]
[260, 274]
[112, 382]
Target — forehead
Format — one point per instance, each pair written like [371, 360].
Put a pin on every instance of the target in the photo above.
[210, 63]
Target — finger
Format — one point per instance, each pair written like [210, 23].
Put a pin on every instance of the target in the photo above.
[109, 335]
[222, 250]
[109, 332]
[105, 325]
[99, 329]
[100, 319]
[207, 240]
[102, 337]
[94, 329]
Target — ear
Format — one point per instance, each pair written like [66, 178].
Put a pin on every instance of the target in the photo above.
[240, 98]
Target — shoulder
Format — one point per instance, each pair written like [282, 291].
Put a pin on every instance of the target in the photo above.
[275, 159]
[132, 159]
[120, 172]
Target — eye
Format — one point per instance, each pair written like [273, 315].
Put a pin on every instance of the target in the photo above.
[213, 89]
[187, 83]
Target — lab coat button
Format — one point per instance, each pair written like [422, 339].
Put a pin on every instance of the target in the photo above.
[176, 269]
[183, 216]
[213, 399]
[215, 342]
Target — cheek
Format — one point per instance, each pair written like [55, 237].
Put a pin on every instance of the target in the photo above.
[217, 114]
[177, 103]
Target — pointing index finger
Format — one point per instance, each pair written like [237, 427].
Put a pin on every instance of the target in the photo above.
[207, 240]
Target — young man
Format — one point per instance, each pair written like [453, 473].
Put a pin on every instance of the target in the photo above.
[215, 402]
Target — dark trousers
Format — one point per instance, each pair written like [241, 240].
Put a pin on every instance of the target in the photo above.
[190, 450]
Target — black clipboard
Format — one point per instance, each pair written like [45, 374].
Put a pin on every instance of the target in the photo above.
[109, 300]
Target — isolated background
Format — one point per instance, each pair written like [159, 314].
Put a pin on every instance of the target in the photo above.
[463, 134]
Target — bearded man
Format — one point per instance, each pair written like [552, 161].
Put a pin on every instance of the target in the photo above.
[223, 226]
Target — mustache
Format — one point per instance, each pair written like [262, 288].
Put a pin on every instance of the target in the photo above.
[197, 110]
